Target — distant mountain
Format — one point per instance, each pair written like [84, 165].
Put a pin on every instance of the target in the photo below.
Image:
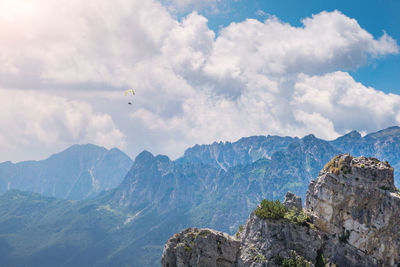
[214, 186]
[244, 151]
[384, 144]
[79, 172]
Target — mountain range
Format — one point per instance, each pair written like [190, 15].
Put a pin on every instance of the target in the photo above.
[79, 172]
[214, 185]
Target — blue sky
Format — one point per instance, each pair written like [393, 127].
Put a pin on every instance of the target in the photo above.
[374, 16]
[203, 71]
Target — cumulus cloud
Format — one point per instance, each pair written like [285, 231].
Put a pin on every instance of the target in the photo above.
[346, 103]
[329, 41]
[38, 121]
[251, 80]
[192, 86]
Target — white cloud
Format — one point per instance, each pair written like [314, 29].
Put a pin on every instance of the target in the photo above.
[327, 42]
[39, 121]
[322, 126]
[191, 85]
[346, 103]
[91, 41]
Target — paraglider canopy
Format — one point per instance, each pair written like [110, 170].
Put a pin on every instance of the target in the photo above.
[129, 91]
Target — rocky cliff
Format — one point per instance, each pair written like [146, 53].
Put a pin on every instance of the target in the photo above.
[355, 199]
[351, 218]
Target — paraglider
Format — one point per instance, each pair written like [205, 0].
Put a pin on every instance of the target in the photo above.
[128, 92]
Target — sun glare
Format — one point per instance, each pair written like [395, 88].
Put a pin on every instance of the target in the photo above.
[14, 9]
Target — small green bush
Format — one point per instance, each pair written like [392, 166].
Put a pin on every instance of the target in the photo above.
[337, 165]
[270, 210]
[275, 210]
[293, 261]
[239, 231]
[296, 217]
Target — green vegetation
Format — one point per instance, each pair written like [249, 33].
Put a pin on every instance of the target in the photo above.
[336, 165]
[32, 225]
[204, 233]
[276, 210]
[293, 261]
[239, 231]
[270, 210]
[298, 217]
[259, 258]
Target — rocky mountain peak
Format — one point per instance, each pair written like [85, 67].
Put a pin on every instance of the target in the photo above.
[76, 173]
[309, 137]
[351, 136]
[361, 171]
[391, 131]
[351, 218]
[144, 157]
[356, 200]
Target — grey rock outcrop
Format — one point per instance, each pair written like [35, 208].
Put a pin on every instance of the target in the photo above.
[260, 243]
[264, 242]
[200, 247]
[351, 218]
[292, 201]
[355, 199]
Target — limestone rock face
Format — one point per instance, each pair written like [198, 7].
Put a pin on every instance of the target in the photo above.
[200, 247]
[292, 201]
[351, 218]
[265, 241]
[355, 200]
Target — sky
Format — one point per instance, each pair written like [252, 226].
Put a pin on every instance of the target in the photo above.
[203, 71]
